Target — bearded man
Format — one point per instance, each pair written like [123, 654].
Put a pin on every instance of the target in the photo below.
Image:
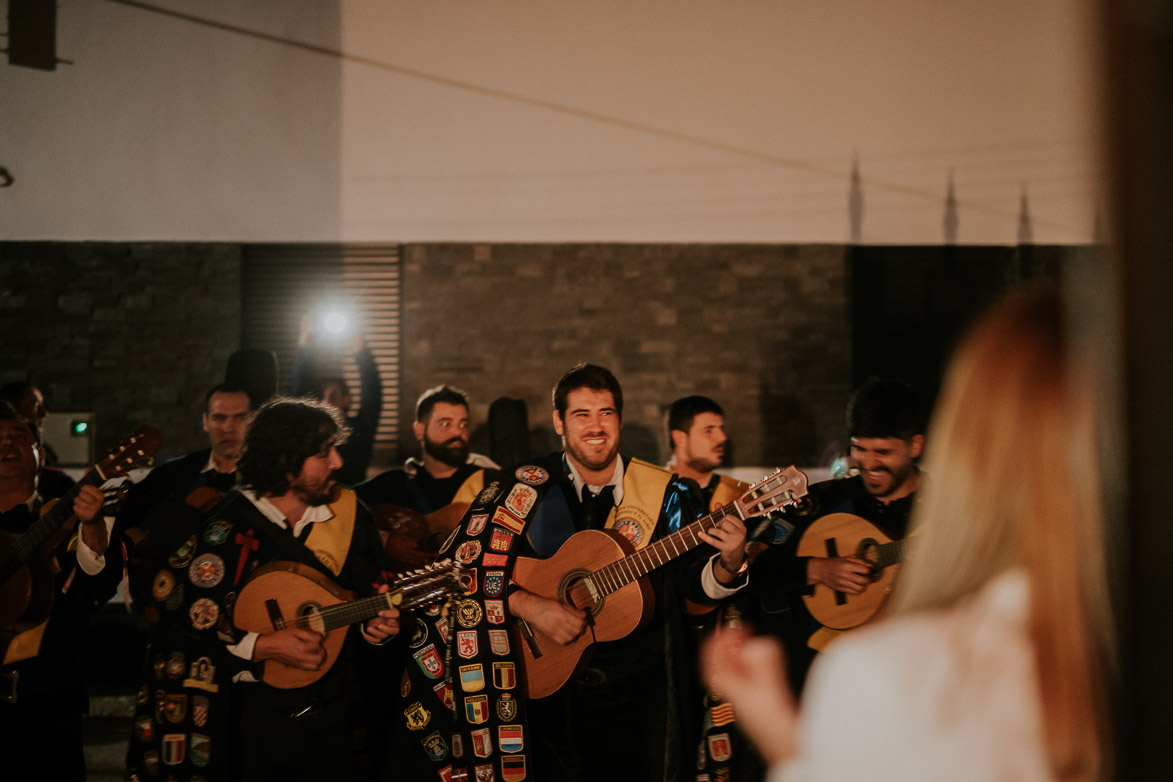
[204, 709]
[445, 473]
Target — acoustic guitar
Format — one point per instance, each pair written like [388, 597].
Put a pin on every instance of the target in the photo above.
[845, 535]
[26, 567]
[597, 571]
[290, 594]
[413, 539]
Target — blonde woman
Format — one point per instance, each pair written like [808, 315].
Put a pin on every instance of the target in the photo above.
[992, 665]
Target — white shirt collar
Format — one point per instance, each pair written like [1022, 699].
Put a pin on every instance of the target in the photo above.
[616, 480]
[313, 514]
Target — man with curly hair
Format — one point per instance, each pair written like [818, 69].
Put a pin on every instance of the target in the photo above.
[206, 709]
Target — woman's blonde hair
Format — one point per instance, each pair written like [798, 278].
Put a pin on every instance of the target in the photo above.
[1012, 481]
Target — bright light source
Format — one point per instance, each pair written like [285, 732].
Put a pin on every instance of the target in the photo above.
[334, 322]
[78, 428]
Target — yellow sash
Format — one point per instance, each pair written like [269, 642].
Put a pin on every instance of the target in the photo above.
[330, 539]
[471, 487]
[728, 489]
[643, 495]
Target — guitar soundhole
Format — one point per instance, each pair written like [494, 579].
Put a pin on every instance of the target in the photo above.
[867, 549]
[575, 590]
[308, 615]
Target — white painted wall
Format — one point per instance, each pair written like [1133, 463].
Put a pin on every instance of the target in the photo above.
[530, 120]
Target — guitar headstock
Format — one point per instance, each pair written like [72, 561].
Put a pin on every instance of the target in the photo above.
[780, 488]
[132, 452]
[429, 585]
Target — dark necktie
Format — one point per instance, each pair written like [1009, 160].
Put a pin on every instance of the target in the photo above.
[595, 507]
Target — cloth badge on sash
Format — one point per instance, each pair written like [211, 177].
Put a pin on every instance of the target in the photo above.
[217, 532]
[489, 493]
[175, 665]
[721, 774]
[184, 554]
[476, 709]
[417, 716]
[201, 750]
[405, 685]
[457, 745]
[202, 674]
[506, 707]
[442, 628]
[419, 633]
[703, 778]
[494, 560]
[719, 748]
[204, 613]
[483, 772]
[521, 500]
[504, 676]
[435, 746]
[151, 762]
[476, 524]
[482, 743]
[531, 474]
[450, 539]
[495, 611]
[631, 530]
[469, 613]
[472, 677]
[162, 585]
[722, 714]
[144, 728]
[466, 644]
[445, 774]
[199, 710]
[494, 582]
[501, 540]
[175, 708]
[509, 738]
[513, 768]
[499, 642]
[504, 518]
[430, 661]
[467, 551]
[443, 691]
[174, 749]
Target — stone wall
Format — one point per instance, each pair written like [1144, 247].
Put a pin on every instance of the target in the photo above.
[135, 333]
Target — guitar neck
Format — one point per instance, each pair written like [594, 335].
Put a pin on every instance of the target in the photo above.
[619, 574]
[889, 554]
[412, 591]
[43, 528]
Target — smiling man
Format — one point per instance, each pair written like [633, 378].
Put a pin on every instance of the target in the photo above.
[618, 717]
[885, 424]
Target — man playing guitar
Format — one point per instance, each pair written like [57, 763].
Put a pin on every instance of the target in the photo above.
[885, 423]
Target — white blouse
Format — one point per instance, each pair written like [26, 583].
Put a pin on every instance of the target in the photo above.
[946, 696]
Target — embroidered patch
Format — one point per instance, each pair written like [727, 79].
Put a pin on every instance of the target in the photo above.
[162, 585]
[202, 675]
[419, 633]
[206, 571]
[466, 644]
[521, 499]
[476, 523]
[482, 743]
[531, 474]
[513, 768]
[494, 582]
[499, 642]
[175, 708]
[495, 560]
[430, 661]
[504, 676]
[203, 613]
[483, 772]
[417, 716]
[144, 728]
[495, 611]
[468, 581]
[217, 532]
[501, 540]
[467, 551]
[443, 691]
[507, 520]
[449, 540]
[469, 613]
[175, 665]
[457, 746]
[476, 709]
[201, 750]
[435, 747]
[472, 678]
[442, 628]
[509, 738]
[489, 493]
[719, 749]
[722, 714]
[184, 554]
[174, 749]
[629, 529]
[199, 710]
[506, 707]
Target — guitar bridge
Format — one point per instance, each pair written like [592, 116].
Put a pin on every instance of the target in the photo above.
[275, 617]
